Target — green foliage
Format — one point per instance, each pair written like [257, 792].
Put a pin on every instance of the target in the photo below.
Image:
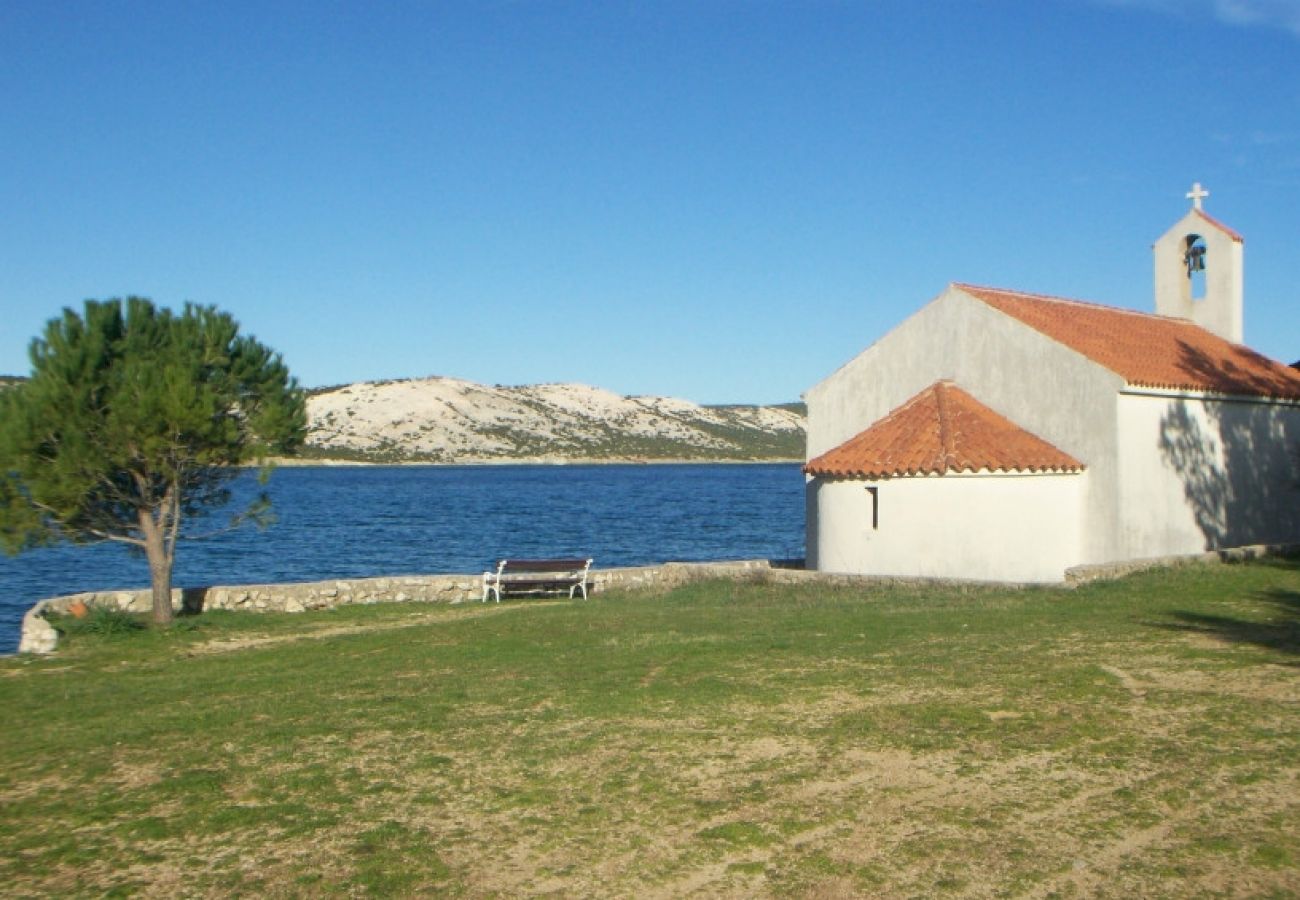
[101, 621]
[133, 420]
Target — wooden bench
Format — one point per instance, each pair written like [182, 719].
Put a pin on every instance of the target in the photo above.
[537, 576]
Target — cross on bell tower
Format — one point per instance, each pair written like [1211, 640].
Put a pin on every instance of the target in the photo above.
[1198, 269]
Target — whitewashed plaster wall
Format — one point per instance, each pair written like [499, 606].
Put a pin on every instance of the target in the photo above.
[987, 526]
[1041, 385]
[1201, 474]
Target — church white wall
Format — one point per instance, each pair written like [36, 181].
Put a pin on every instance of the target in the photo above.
[988, 527]
[1041, 385]
[1198, 474]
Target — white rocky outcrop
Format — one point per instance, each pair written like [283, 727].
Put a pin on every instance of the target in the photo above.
[452, 420]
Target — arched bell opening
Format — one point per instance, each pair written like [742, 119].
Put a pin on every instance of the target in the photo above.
[1194, 254]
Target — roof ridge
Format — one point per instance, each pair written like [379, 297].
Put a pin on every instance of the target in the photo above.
[903, 442]
[1230, 232]
[1052, 298]
[1146, 350]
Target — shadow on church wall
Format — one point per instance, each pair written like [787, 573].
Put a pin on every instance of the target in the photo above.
[1239, 463]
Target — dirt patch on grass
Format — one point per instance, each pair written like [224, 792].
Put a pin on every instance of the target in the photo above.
[132, 774]
[320, 632]
[1273, 684]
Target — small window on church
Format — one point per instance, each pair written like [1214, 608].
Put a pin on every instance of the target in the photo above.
[1194, 257]
[875, 507]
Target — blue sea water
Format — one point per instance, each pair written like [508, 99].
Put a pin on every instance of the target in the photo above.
[339, 522]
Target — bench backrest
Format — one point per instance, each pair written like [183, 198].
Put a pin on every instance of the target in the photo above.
[542, 565]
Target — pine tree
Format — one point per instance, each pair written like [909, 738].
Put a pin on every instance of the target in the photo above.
[134, 421]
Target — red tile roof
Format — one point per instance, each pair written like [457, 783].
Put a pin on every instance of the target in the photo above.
[942, 429]
[1147, 350]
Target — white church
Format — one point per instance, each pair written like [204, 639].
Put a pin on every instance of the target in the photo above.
[1003, 436]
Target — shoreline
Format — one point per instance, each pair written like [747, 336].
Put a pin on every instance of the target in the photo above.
[300, 463]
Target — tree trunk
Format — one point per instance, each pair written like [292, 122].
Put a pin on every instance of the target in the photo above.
[160, 568]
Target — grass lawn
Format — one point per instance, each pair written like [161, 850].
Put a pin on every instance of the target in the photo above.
[1133, 739]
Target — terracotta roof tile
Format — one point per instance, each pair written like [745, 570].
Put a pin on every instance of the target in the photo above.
[1147, 350]
[942, 429]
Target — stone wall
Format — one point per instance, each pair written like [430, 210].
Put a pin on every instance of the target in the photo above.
[1078, 575]
[38, 636]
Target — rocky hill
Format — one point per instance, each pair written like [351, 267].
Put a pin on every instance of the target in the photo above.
[449, 420]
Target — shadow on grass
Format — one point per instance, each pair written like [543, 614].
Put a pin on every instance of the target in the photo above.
[1280, 632]
[1287, 561]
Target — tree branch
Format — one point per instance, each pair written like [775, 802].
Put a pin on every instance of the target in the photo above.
[172, 519]
[95, 532]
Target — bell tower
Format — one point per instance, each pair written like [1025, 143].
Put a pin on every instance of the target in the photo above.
[1199, 271]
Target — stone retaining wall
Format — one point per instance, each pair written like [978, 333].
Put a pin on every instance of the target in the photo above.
[1078, 575]
[39, 636]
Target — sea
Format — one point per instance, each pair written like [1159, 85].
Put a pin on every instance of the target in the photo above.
[362, 521]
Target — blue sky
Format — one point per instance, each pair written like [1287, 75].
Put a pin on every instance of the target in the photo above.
[722, 201]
